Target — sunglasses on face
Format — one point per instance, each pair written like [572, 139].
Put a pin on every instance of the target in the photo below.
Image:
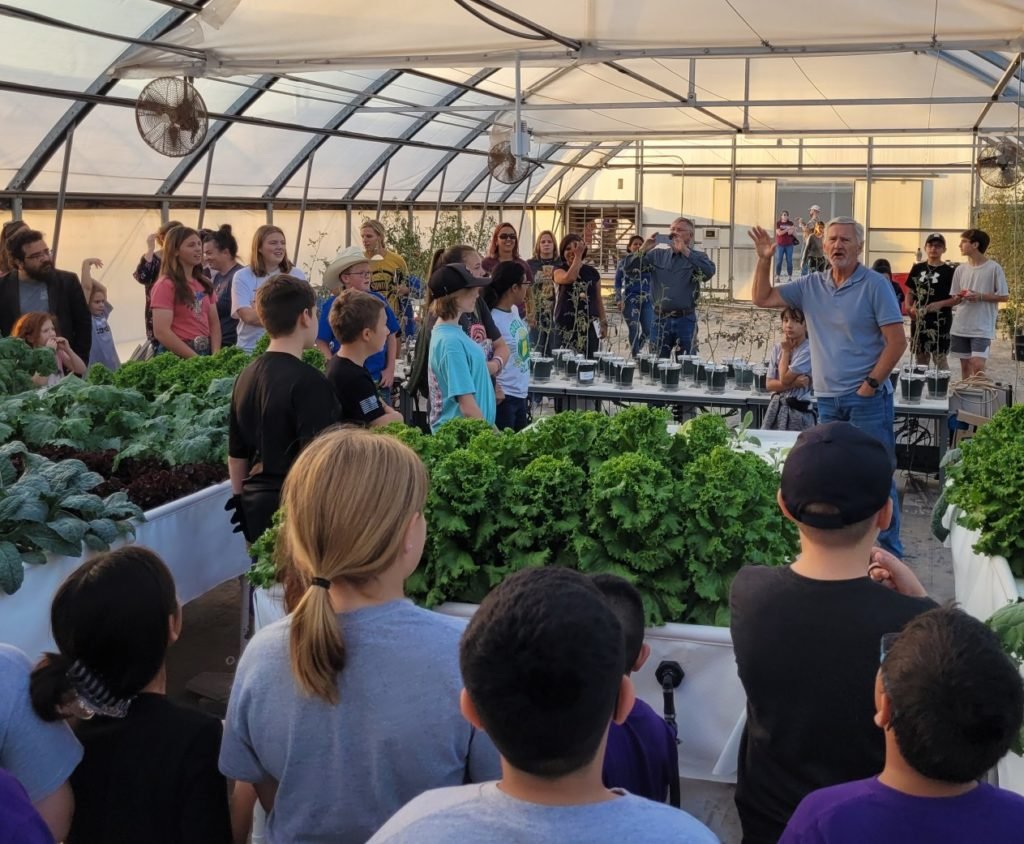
[507, 236]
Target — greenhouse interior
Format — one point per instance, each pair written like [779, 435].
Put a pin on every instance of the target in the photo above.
[603, 195]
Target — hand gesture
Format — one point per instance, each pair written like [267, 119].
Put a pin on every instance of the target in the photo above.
[786, 344]
[650, 243]
[894, 574]
[93, 262]
[151, 241]
[802, 381]
[62, 345]
[764, 243]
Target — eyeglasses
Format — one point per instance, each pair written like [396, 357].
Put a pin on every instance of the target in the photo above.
[507, 236]
[35, 256]
[363, 274]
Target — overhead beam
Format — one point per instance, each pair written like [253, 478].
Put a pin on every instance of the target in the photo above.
[335, 123]
[877, 132]
[586, 177]
[45, 150]
[560, 172]
[464, 143]
[219, 127]
[1000, 86]
[417, 126]
[551, 150]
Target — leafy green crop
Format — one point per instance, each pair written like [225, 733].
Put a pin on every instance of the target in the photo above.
[1008, 624]
[169, 372]
[706, 432]
[988, 486]
[49, 509]
[19, 362]
[263, 573]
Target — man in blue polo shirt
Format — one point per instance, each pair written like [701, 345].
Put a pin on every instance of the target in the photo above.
[856, 333]
[677, 273]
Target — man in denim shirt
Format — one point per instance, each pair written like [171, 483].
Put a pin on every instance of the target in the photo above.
[856, 333]
[677, 274]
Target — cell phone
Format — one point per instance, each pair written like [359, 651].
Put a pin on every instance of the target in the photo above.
[663, 239]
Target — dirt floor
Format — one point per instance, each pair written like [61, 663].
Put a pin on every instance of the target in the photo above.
[204, 657]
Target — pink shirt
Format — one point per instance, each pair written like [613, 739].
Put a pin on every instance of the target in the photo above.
[188, 321]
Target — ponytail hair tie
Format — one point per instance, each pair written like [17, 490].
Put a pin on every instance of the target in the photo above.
[322, 581]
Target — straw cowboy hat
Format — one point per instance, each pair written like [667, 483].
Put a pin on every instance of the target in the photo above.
[343, 261]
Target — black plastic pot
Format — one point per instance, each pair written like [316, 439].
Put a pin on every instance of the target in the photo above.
[689, 363]
[625, 374]
[645, 364]
[717, 377]
[937, 382]
[585, 372]
[761, 381]
[668, 374]
[559, 356]
[744, 377]
[730, 366]
[702, 371]
[1017, 349]
[911, 389]
[542, 368]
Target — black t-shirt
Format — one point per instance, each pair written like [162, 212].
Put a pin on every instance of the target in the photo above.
[278, 405]
[932, 284]
[807, 652]
[150, 776]
[356, 392]
[222, 284]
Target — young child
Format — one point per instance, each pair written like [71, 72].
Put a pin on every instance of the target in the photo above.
[359, 321]
[506, 297]
[347, 708]
[542, 665]
[279, 404]
[789, 377]
[460, 384]
[642, 756]
[149, 770]
[39, 330]
[103, 350]
[950, 703]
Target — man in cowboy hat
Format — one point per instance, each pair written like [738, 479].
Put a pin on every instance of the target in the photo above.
[350, 269]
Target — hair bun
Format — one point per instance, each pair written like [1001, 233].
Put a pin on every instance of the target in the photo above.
[225, 229]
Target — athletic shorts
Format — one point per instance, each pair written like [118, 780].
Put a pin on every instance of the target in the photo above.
[969, 347]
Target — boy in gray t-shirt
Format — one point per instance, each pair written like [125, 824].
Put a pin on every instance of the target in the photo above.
[979, 285]
[542, 665]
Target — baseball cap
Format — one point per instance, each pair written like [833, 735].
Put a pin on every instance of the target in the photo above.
[814, 208]
[935, 237]
[840, 466]
[452, 278]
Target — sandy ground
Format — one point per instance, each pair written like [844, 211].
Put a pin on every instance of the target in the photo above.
[209, 645]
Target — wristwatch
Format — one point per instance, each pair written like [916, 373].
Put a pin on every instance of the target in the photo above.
[872, 383]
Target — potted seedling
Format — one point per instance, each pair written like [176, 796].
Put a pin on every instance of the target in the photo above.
[937, 381]
[912, 387]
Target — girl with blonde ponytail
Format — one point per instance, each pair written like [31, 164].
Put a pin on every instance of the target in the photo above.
[348, 708]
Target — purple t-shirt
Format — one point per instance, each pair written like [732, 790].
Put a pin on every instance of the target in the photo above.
[866, 810]
[20, 823]
[642, 756]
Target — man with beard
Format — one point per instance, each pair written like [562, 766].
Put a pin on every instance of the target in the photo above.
[856, 332]
[34, 285]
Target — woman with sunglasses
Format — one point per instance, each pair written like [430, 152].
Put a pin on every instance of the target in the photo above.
[505, 247]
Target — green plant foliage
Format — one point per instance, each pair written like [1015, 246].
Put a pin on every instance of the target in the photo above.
[48, 509]
[19, 362]
[706, 432]
[730, 518]
[169, 372]
[1008, 624]
[315, 358]
[263, 573]
[988, 486]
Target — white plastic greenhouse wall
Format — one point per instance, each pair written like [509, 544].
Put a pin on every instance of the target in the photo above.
[723, 114]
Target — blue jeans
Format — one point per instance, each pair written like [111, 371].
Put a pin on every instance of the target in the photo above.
[638, 312]
[873, 415]
[787, 253]
[511, 413]
[675, 332]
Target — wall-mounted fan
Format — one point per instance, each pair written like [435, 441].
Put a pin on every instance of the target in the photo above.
[506, 157]
[1001, 165]
[171, 116]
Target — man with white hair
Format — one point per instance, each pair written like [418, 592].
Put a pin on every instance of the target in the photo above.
[675, 286]
[814, 256]
[856, 334]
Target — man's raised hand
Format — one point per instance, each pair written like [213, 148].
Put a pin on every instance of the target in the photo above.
[764, 243]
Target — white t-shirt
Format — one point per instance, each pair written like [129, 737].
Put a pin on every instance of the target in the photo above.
[243, 295]
[486, 813]
[514, 378]
[977, 319]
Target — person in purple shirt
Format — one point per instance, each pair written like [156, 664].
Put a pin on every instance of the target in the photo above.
[641, 755]
[950, 703]
[20, 823]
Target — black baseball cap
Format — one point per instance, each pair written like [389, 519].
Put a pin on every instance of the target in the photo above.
[840, 466]
[935, 237]
[452, 278]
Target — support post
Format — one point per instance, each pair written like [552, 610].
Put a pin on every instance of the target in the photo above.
[165, 212]
[746, 95]
[348, 225]
[732, 217]
[270, 213]
[17, 208]
[383, 181]
[640, 188]
[302, 208]
[62, 193]
[867, 202]
[206, 185]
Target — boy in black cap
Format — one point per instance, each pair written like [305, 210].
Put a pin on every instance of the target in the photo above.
[930, 305]
[806, 635]
[460, 385]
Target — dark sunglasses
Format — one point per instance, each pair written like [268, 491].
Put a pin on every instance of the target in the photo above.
[507, 236]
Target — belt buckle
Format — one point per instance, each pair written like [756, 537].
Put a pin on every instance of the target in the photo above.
[201, 344]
